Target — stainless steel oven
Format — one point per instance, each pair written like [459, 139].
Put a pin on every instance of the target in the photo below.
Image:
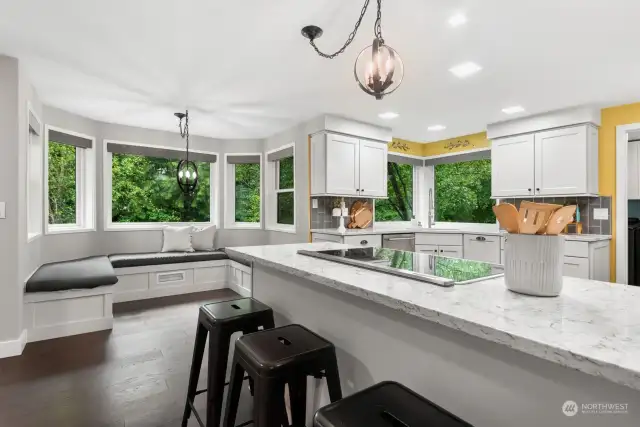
[401, 242]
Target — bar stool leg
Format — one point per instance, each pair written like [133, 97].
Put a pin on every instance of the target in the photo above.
[218, 357]
[333, 378]
[233, 397]
[268, 404]
[298, 399]
[196, 364]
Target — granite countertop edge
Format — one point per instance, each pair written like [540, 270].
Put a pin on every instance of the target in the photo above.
[480, 327]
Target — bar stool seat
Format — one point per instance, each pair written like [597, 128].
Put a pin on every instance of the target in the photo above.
[273, 358]
[220, 320]
[387, 404]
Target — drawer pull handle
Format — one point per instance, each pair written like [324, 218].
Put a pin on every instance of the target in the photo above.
[481, 238]
[363, 242]
[572, 263]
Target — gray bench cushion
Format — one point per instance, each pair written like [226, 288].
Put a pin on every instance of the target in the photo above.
[83, 273]
[157, 258]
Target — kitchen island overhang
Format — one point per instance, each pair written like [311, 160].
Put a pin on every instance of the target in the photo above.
[381, 322]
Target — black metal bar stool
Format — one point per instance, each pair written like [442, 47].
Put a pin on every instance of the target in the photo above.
[220, 320]
[387, 404]
[273, 358]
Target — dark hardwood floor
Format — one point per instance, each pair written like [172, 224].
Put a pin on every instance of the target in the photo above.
[133, 376]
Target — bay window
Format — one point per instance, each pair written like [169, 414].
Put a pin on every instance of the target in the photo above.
[141, 189]
[70, 181]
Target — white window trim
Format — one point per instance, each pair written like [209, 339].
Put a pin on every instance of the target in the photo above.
[109, 225]
[230, 199]
[272, 189]
[85, 186]
[31, 236]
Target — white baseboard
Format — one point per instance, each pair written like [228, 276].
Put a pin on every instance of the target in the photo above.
[13, 347]
[67, 329]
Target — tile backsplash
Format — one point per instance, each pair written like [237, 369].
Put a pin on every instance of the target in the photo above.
[321, 216]
[590, 225]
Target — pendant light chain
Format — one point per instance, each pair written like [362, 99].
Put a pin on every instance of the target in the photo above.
[377, 27]
[185, 132]
[352, 35]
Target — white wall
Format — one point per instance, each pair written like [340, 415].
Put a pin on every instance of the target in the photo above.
[298, 134]
[10, 295]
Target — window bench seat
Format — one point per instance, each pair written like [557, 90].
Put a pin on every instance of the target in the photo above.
[68, 298]
[75, 297]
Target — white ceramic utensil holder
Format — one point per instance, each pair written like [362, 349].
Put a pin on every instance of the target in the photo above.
[533, 264]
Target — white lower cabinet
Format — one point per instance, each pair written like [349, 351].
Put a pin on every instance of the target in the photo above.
[587, 260]
[365, 240]
[482, 247]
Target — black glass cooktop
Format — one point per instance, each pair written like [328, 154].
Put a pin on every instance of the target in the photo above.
[431, 268]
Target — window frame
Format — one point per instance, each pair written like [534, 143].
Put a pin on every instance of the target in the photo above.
[416, 200]
[430, 182]
[39, 231]
[272, 170]
[85, 186]
[107, 186]
[230, 195]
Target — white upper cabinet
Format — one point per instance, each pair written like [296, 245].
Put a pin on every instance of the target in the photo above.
[557, 162]
[343, 165]
[512, 166]
[348, 166]
[373, 169]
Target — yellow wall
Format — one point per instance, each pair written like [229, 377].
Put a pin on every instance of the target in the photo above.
[456, 145]
[612, 117]
[445, 146]
[398, 145]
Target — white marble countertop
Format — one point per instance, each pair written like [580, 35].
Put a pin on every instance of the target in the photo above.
[593, 327]
[466, 230]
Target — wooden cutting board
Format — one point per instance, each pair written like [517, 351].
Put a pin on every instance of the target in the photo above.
[361, 215]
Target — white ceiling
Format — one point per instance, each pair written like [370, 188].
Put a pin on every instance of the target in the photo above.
[244, 70]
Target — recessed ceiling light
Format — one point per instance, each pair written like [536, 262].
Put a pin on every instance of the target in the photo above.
[513, 110]
[465, 69]
[457, 20]
[436, 128]
[388, 115]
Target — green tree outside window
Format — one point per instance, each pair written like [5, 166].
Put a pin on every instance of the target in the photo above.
[247, 192]
[62, 183]
[399, 204]
[144, 189]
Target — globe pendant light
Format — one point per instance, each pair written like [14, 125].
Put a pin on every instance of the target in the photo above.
[378, 69]
[187, 171]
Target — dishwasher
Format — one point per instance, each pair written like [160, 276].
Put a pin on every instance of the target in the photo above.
[401, 242]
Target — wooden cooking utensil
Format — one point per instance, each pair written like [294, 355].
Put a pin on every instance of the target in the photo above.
[507, 215]
[532, 219]
[560, 219]
[534, 216]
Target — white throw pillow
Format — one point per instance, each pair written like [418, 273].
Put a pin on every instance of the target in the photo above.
[176, 239]
[202, 238]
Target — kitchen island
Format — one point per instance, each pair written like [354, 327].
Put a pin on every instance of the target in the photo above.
[493, 357]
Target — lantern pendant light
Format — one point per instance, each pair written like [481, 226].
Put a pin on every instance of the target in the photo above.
[378, 69]
[187, 171]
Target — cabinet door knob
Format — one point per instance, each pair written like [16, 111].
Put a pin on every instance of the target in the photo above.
[529, 190]
[538, 190]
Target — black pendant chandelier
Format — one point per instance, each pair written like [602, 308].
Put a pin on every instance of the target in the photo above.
[378, 68]
[187, 171]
